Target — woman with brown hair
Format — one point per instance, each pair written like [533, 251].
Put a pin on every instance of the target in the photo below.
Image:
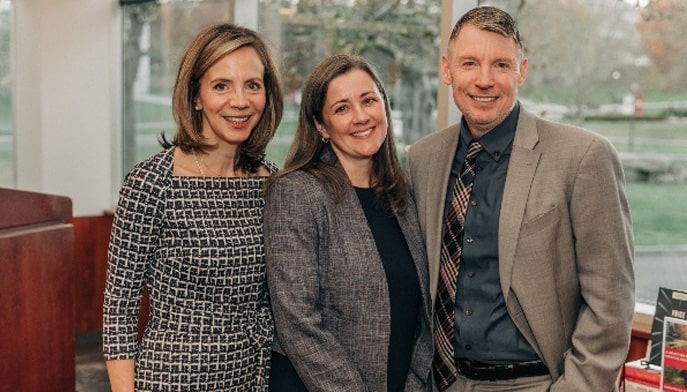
[346, 265]
[188, 226]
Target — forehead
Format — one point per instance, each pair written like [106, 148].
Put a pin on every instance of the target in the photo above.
[244, 60]
[471, 40]
[352, 83]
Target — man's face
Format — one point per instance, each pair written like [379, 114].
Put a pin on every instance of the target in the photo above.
[484, 70]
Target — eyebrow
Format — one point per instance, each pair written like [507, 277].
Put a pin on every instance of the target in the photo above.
[498, 60]
[364, 94]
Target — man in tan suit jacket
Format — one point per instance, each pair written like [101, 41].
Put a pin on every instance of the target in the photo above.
[547, 211]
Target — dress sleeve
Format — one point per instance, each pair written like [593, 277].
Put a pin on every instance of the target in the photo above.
[133, 241]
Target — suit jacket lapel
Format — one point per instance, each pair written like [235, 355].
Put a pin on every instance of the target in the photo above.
[435, 183]
[521, 169]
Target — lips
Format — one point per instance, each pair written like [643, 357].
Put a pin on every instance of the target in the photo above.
[237, 120]
[483, 99]
[362, 133]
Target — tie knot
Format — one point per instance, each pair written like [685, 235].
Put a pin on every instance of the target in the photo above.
[473, 149]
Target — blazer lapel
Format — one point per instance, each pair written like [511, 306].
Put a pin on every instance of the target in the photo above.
[411, 232]
[435, 183]
[521, 168]
[354, 230]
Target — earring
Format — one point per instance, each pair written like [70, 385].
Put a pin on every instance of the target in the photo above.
[197, 108]
[325, 140]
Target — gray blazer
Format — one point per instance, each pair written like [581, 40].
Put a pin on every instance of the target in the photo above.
[565, 244]
[328, 288]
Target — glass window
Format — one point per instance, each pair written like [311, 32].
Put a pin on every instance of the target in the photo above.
[6, 128]
[617, 68]
[154, 36]
[400, 37]
[612, 66]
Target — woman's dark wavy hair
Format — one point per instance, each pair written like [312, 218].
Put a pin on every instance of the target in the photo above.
[206, 49]
[307, 151]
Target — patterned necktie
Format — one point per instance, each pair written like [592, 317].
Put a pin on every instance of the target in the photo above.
[445, 372]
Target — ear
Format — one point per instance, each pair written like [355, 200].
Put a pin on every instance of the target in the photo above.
[322, 130]
[445, 70]
[523, 71]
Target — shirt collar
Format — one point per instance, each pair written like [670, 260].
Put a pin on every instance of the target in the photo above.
[498, 141]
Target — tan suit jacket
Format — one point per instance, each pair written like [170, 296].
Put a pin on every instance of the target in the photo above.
[565, 244]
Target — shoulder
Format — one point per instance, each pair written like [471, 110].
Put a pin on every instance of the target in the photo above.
[557, 136]
[295, 197]
[160, 164]
[437, 138]
[151, 175]
[298, 181]
[558, 130]
[270, 166]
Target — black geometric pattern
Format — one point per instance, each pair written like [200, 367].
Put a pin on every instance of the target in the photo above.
[197, 244]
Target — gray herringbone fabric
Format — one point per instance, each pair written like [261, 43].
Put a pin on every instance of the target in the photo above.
[328, 288]
[197, 244]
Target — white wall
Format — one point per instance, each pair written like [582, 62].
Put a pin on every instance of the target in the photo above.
[65, 63]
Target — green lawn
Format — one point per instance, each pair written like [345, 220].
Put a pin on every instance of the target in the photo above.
[659, 213]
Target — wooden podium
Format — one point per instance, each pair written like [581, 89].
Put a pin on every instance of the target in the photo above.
[36, 293]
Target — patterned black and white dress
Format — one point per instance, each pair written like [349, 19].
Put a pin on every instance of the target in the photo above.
[197, 244]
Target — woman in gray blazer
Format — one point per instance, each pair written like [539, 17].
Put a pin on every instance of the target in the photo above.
[346, 265]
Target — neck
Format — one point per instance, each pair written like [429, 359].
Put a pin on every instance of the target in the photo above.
[359, 175]
[217, 164]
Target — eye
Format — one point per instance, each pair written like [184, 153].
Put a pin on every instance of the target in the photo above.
[469, 64]
[254, 85]
[341, 109]
[503, 65]
[368, 101]
[220, 86]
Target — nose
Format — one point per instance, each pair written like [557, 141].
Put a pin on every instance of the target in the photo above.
[360, 115]
[238, 99]
[485, 78]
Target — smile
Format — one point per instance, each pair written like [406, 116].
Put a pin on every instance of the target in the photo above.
[362, 133]
[484, 99]
[237, 120]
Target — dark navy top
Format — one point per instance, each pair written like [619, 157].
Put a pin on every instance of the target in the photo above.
[404, 287]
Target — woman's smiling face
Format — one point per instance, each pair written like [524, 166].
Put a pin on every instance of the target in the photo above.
[354, 117]
[232, 97]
